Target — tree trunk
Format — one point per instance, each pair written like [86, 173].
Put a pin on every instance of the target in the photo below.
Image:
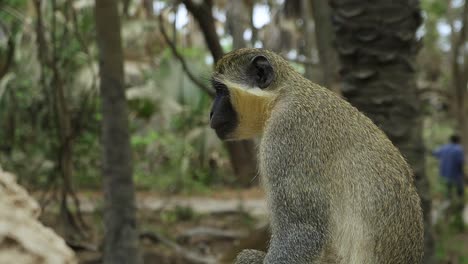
[377, 45]
[308, 31]
[254, 38]
[121, 235]
[237, 19]
[243, 159]
[325, 38]
[148, 7]
[242, 154]
[459, 64]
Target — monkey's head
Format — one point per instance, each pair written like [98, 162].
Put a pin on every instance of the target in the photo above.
[247, 82]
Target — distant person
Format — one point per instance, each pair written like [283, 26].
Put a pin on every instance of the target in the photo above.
[451, 160]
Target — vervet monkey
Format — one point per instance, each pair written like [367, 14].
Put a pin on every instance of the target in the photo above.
[338, 190]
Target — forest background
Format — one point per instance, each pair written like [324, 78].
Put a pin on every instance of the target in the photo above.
[104, 109]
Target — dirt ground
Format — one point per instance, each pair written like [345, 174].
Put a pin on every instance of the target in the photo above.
[175, 229]
[185, 229]
[183, 233]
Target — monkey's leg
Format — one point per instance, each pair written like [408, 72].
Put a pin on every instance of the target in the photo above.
[250, 256]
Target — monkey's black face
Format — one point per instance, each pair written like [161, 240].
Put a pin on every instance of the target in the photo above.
[256, 72]
[223, 117]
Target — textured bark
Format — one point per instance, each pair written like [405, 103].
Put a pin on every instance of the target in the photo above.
[377, 46]
[242, 154]
[120, 230]
[325, 38]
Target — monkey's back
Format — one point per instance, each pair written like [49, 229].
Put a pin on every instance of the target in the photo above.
[321, 159]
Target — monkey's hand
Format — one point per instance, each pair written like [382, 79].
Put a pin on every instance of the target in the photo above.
[297, 244]
[250, 256]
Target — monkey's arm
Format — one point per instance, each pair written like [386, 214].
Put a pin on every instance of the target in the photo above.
[300, 211]
[296, 245]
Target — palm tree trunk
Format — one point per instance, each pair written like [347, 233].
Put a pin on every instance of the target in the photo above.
[377, 45]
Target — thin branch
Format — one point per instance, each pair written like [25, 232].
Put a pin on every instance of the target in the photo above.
[49, 58]
[212, 233]
[14, 13]
[463, 39]
[80, 246]
[181, 59]
[439, 92]
[203, 15]
[42, 47]
[79, 123]
[302, 61]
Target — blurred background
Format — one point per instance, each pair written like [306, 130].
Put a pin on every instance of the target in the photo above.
[157, 163]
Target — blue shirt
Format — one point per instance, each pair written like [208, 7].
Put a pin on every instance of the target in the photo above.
[451, 161]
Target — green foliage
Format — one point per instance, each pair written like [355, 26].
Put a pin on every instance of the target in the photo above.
[140, 142]
[164, 162]
[434, 13]
[143, 108]
[30, 136]
[87, 160]
[10, 13]
[170, 136]
[451, 243]
[435, 7]
[174, 150]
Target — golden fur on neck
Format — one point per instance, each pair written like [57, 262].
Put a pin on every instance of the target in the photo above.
[253, 107]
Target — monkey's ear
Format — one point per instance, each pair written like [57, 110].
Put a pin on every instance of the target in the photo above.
[261, 71]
